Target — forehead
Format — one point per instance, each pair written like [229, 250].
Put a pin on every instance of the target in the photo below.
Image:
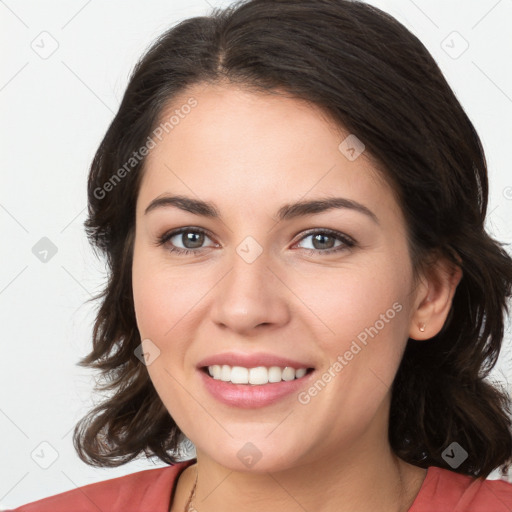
[257, 147]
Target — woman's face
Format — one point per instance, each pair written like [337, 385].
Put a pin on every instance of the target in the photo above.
[257, 282]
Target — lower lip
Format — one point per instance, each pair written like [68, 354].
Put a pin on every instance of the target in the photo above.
[248, 396]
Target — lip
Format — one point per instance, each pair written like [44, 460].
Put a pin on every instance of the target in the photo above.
[252, 360]
[248, 396]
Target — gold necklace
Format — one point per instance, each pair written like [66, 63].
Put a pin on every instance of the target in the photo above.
[190, 508]
[400, 505]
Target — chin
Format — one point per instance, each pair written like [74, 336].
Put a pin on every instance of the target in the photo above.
[254, 454]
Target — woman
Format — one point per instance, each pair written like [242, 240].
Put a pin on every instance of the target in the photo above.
[291, 202]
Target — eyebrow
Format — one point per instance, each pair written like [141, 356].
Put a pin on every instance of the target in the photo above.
[286, 212]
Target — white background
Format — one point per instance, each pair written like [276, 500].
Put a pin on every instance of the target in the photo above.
[54, 113]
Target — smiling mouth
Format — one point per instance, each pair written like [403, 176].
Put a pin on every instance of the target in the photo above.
[263, 376]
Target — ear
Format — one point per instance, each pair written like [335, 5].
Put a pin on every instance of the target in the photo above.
[434, 297]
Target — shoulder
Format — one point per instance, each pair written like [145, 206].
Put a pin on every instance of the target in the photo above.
[143, 491]
[448, 491]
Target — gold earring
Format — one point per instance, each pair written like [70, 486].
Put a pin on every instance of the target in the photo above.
[422, 327]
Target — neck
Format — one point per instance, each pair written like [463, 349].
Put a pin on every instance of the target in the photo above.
[374, 480]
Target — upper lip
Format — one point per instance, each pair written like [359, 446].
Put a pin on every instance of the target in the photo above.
[251, 360]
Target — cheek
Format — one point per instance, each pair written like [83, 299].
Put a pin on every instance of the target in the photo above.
[169, 307]
[162, 300]
[344, 301]
[360, 319]
[149, 302]
[162, 297]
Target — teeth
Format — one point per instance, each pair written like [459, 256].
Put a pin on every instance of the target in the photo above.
[256, 376]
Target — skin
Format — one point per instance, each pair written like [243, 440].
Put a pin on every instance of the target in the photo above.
[250, 153]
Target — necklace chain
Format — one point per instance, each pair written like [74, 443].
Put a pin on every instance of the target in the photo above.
[190, 508]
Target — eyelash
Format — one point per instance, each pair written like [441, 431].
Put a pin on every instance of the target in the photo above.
[348, 242]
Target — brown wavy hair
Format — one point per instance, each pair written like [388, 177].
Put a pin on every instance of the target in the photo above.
[378, 81]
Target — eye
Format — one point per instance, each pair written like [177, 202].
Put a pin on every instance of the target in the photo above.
[191, 238]
[323, 241]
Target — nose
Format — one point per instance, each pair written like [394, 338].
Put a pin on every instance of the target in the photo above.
[251, 297]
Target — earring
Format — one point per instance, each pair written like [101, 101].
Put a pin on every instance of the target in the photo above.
[422, 327]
